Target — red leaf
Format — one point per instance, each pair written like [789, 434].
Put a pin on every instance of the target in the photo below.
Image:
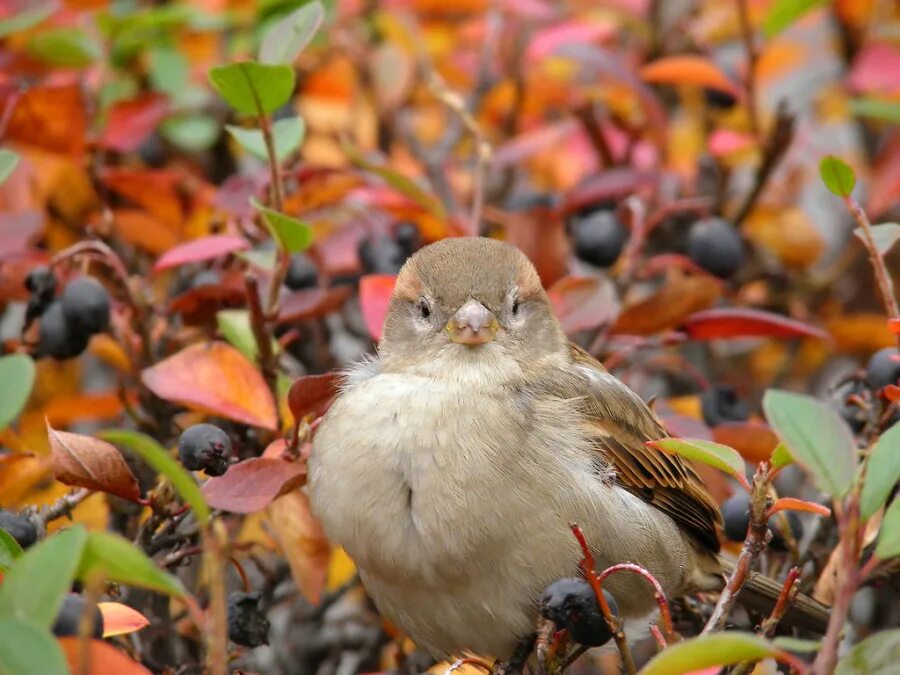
[198, 250]
[894, 326]
[253, 484]
[875, 69]
[158, 191]
[104, 659]
[214, 377]
[682, 426]
[311, 393]
[738, 323]
[546, 41]
[583, 303]
[312, 303]
[375, 292]
[130, 122]
[523, 146]
[688, 69]
[17, 230]
[51, 117]
[791, 504]
[605, 185]
[119, 619]
[754, 440]
[84, 461]
[892, 393]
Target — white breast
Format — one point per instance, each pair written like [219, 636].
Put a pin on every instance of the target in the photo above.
[455, 536]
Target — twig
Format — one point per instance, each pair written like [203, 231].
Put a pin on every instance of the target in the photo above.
[261, 332]
[64, 505]
[585, 115]
[215, 547]
[470, 661]
[752, 57]
[882, 276]
[755, 542]
[659, 595]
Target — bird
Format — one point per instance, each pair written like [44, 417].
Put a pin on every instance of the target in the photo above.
[451, 464]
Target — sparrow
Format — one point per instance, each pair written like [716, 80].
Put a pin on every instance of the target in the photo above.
[451, 465]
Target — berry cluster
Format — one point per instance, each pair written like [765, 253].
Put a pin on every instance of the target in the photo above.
[68, 322]
[247, 623]
[571, 605]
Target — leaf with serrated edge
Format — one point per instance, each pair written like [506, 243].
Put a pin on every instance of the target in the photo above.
[84, 461]
[157, 457]
[34, 587]
[817, 438]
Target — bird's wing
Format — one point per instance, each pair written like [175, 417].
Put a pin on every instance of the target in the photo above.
[622, 423]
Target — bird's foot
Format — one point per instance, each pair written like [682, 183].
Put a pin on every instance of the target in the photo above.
[516, 664]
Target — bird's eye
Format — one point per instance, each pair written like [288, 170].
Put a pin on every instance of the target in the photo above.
[515, 307]
[424, 309]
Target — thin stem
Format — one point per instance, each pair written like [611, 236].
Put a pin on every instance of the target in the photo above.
[64, 505]
[261, 331]
[882, 276]
[659, 595]
[752, 57]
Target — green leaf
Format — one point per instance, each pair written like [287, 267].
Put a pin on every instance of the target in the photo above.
[715, 454]
[121, 561]
[8, 162]
[785, 12]
[290, 234]
[234, 325]
[26, 19]
[876, 655]
[194, 133]
[168, 71]
[9, 550]
[886, 111]
[263, 258]
[781, 456]
[69, 47]
[817, 438]
[291, 34]
[888, 545]
[882, 472]
[26, 647]
[396, 180]
[837, 176]
[797, 645]
[34, 587]
[287, 135]
[715, 649]
[156, 456]
[17, 376]
[884, 235]
[253, 88]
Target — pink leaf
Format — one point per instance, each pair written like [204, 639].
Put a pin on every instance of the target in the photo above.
[716, 324]
[875, 69]
[198, 250]
[583, 303]
[130, 122]
[725, 142]
[310, 393]
[253, 484]
[374, 297]
[545, 42]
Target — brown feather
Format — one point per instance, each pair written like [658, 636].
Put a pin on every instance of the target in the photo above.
[622, 423]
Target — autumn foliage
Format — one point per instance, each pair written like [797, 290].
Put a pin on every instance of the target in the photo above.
[204, 205]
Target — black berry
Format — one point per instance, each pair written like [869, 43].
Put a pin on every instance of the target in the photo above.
[853, 402]
[408, 237]
[721, 404]
[302, 272]
[70, 613]
[736, 516]
[381, 255]
[598, 238]
[41, 283]
[85, 304]
[883, 368]
[57, 338]
[776, 527]
[247, 625]
[571, 604]
[716, 246]
[20, 527]
[717, 98]
[206, 447]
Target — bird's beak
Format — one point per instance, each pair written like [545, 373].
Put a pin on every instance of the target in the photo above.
[473, 324]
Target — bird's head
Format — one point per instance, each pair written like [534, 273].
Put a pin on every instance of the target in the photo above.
[471, 302]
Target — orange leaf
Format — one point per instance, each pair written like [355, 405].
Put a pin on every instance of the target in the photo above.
[251, 485]
[143, 230]
[156, 191]
[216, 378]
[791, 504]
[680, 297]
[302, 541]
[119, 619]
[754, 440]
[894, 326]
[130, 122]
[583, 303]
[311, 393]
[84, 461]
[50, 117]
[104, 659]
[687, 69]
[892, 393]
